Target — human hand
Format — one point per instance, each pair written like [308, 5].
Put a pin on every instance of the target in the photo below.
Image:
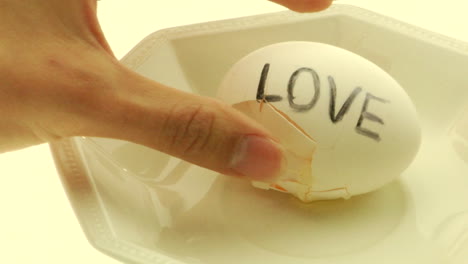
[59, 78]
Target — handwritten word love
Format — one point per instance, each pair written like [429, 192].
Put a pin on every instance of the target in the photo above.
[334, 116]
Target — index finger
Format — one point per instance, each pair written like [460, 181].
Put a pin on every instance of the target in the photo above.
[305, 5]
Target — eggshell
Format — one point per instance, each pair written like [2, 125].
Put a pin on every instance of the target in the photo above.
[364, 126]
[299, 147]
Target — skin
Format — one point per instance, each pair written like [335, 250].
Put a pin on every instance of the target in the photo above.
[59, 78]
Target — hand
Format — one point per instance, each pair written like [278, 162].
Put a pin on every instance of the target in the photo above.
[59, 78]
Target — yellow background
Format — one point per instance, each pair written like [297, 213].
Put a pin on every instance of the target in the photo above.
[37, 224]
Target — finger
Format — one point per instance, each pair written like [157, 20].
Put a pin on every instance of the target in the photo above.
[194, 128]
[305, 5]
[95, 28]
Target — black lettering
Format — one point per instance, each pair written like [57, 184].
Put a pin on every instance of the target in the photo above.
[369, 116]
[291, 85]
[347, 104]
[261, 87]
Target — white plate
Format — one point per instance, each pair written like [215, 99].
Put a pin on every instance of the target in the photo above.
[142, 206]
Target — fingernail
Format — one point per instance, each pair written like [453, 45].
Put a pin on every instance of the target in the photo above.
[258, 158]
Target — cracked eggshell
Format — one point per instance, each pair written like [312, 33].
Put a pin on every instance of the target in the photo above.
[364, 124]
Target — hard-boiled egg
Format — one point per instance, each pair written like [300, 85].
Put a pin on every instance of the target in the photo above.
[347, 126]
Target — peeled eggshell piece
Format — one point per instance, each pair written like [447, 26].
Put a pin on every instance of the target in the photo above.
[299, 147]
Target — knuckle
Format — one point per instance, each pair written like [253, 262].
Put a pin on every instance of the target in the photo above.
[190, 129]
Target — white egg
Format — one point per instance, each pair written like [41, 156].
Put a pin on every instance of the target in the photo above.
[358, 126]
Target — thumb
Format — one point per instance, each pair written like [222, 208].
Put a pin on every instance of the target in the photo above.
[197, 129]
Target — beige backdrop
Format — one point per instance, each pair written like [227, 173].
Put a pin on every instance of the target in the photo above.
[37, 224]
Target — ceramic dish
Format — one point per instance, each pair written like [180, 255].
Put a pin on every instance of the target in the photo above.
[141, 206]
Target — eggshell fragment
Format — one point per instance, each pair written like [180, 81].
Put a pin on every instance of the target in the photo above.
[364, 125]
[298, 146]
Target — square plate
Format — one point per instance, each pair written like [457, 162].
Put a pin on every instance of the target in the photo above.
[142, 206]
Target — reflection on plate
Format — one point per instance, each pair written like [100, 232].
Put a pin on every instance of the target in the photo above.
[282, 224]
[142, 206]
